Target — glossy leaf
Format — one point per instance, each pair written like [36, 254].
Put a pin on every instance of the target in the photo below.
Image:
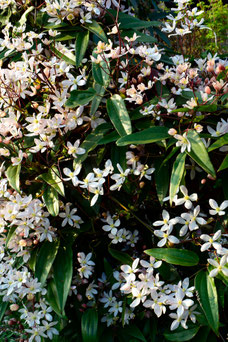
[124, 258]
[118, 115]
[224, 164]
[208, 299]
[51, 200]
[161, 175]
[100, 90]
[176, 175]
[219, 143]
[174, 256]
[95, 28]
[181, 334]
[89, 325]
[101, 73]
[149, 135]
[80, 97]
[3, 308]
[199, 153]
[134, 331]
[13, 175]
[81, 44]
[52, 178]
[63, 271]
[69, 58]
[45, 259]
[52, 297]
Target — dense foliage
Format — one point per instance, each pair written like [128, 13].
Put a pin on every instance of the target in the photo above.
[113, 174]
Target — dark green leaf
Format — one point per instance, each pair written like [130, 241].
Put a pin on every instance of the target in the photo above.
[133, 330]
[69, 58]
[100, 90]
[51, 200]
[80, 97]
[147, 136]
[101, 71]
[199, 153]
[219, 143]
[176, 175]
[45, 259]
[119, 116]
[63, 271]
[120, 256]
[161, 180]
[97, 30]
[52, 297]
[224, 164]
[181, 334]
[89, 325]
[52, 178]
[13, 175]
[3, 308]
[208, 299]
[10, 234]
[174, 256]
[81, 44]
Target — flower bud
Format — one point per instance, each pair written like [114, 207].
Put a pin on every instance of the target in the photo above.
[207, 90]
[30, 296]
[14, 307]
[172, 131]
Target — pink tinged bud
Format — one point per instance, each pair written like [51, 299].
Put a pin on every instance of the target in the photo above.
[172, 131]
[219, 69]
[207, 90]
[84, 306]
[180, 114]
[14, 307]
[203, 181]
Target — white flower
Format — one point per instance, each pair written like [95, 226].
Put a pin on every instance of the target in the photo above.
[115, 308]
[177, 321]
[217, 210]
[186, 200]
[165, 236]
[140, 297]
[183, 142]
[75, 149]
[166, 223]
[219, 267]
[210, 241]
[72, 175]
[68, 216]
[179, 303]
[111, 226]
[150, 265]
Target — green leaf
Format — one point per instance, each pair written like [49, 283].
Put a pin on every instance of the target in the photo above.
[219, 143]
[147, 136]
[181, 334]
[118, 115]
[199, 153]
[81, 44]
[10, 234]
[208, 299]
[51, 200]
[63, 271]
[3, 308]
[52, 297]
[13, 175]
[52, 178]
[101, 73]
[135, 23]
[95, 28]
[133, 330]
[97, 99]
[113, 136]
[89, 325]
[120, 256]
[174, 256]
[206, 108]
[45, 259]
[176, 175]
[80, 97]
[68, 57]
[161, 180]
[224, 164]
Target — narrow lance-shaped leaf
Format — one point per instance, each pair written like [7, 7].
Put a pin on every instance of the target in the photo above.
[81, 44]
[120, 256]
[52, 177]
[208, 299]
[95, 28]
[176, 175]
[181, 334]
[51, 200]
[224, 164]
[101, 73]
[45, 259]
[174, 256]
[118, 114]
[80, 97]
[63, 271]
[199, 153]
[13, 175]
[89, 325]
[146, 136]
